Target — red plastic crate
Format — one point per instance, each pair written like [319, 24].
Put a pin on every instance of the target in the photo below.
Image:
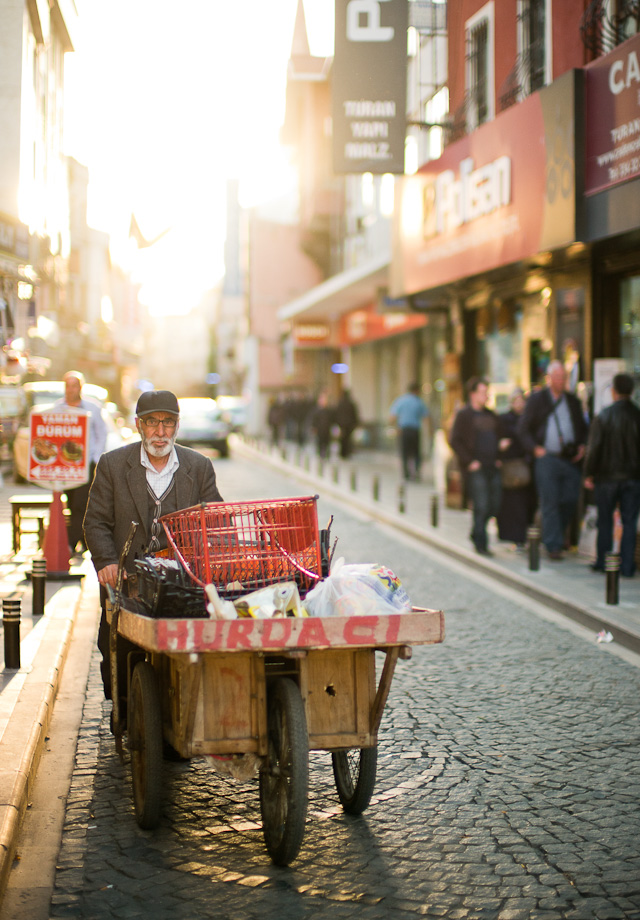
[251, 544]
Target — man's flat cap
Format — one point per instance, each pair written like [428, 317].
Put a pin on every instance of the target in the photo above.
[157, 401]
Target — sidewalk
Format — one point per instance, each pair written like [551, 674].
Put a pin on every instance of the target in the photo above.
[569, 587]
[28, 693]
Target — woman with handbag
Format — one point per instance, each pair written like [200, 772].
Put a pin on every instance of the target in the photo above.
[518, 495]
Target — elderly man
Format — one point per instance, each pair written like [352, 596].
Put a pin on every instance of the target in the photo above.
[553, 428]
[141, 482]
[77, 498]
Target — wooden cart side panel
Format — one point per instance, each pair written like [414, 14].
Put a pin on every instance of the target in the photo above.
[421, 627]
[339, 691]
[180, 688]
[229, 711]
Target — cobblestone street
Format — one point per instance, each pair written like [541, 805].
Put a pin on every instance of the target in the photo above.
[507, 781]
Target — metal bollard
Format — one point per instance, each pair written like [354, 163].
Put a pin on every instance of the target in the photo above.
[435, 507]
[376, 488]
[533, 537]
[353, 480]
[11, 624]
[612, 571]
[283, 453]
[401, 498]
[38, 582]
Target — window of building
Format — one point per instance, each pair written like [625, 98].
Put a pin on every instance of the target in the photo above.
[479, 32]
[533, 44]
[436, 111]
[630, 324]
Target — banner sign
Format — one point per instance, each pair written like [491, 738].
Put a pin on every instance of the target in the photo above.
[369, 86]
[497, 196]
[58, 448]
[613, 117]
[367, 325]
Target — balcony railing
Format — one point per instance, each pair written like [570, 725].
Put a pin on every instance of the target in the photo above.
[605, 26]
[526, 77]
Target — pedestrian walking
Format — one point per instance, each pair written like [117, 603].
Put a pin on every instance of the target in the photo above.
[554, 430]
[347, 418]
[141, 481]
[77, 497]
[518, 494]
[407, 412]
[275, 419]
[612, 470]
[321, 422]
[475, 441]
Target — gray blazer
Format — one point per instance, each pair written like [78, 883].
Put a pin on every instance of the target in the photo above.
[119, 495]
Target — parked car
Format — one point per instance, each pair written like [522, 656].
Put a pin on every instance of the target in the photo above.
[43, 394]
[202, 422]
[13, 406]
[235, 409]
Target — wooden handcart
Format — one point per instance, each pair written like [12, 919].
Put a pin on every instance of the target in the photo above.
[257, 691]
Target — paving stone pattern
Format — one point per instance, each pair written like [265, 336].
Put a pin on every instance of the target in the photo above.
[508, 787]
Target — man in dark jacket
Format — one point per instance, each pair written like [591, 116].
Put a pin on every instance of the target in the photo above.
[474, 438]
[612, 469]
[141, 482]
[553, 428]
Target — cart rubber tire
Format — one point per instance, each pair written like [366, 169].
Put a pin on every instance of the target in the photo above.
[355, 775]
[284, 780]
[145, 744]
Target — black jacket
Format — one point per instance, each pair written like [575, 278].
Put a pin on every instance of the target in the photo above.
[614, 443]
[474, 436]
[532, 426]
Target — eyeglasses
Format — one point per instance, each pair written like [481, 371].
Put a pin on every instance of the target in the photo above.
[152, 423]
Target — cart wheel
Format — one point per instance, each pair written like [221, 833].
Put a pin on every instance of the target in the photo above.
[284, 780]
[355, 775]
[145, 744]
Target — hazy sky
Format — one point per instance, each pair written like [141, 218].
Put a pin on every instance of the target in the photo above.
[166, 100]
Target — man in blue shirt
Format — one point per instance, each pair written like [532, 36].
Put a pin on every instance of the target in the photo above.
[407, 412]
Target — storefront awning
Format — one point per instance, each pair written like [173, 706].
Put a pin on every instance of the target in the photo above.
[351, 289]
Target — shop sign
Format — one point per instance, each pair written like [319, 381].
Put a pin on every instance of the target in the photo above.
[58, 448]
[501, 194]
[369, 86]
[367, 325]
[613, 117]
[311, 333]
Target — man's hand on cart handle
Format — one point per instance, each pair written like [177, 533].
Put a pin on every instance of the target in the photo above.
[109, 575]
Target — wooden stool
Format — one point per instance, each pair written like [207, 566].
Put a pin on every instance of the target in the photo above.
[29, 507]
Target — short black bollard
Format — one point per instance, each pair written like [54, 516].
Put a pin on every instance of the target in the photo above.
[353, 480]
[401, 498]
[434, 510]
[38, 582]
[11, 624]
[533, 536]
[612, 571]
[376, 488]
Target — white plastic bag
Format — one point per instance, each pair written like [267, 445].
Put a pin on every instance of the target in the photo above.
[368, 589]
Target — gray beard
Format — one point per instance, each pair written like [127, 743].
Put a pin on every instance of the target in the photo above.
[157, 451]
